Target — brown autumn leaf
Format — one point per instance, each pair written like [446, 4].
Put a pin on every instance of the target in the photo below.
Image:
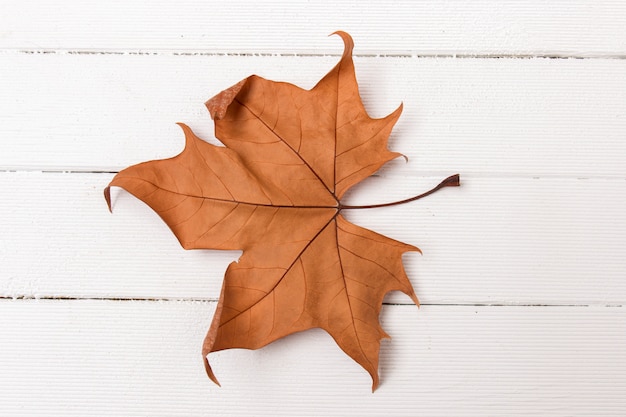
[274, 191]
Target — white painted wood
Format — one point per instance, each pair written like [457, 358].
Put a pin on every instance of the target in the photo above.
[400, 27]
[539, 220]
[535, 117]
[143, 358]
[492, 240]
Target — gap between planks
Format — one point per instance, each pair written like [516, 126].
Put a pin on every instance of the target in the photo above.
[442, 174]
[407, 55]
[209, 300]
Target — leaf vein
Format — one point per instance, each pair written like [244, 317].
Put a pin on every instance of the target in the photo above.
[290, 147]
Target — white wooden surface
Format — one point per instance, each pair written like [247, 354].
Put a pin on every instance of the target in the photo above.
[523, 277]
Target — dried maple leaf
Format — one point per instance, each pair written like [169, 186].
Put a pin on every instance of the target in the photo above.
[275, 192]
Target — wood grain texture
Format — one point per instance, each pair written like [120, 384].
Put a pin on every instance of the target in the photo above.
[493, 241]
[522, 277]
[141, 358]
[525, 117]
[565, 28]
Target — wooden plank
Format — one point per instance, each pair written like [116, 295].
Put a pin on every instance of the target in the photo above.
[143, 358]
[534, 116]
[491, 241]
[522, 277]
[561, 27]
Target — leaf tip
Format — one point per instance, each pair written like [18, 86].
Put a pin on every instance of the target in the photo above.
[374, 383]
[187, 131]
[347, 41]
[412, 248]
[209, 371]
[400, 155]
[107, 197]
[218, 105]
[190, 138]
[415, 299]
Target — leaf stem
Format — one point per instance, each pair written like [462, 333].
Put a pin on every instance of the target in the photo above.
[451, 181]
